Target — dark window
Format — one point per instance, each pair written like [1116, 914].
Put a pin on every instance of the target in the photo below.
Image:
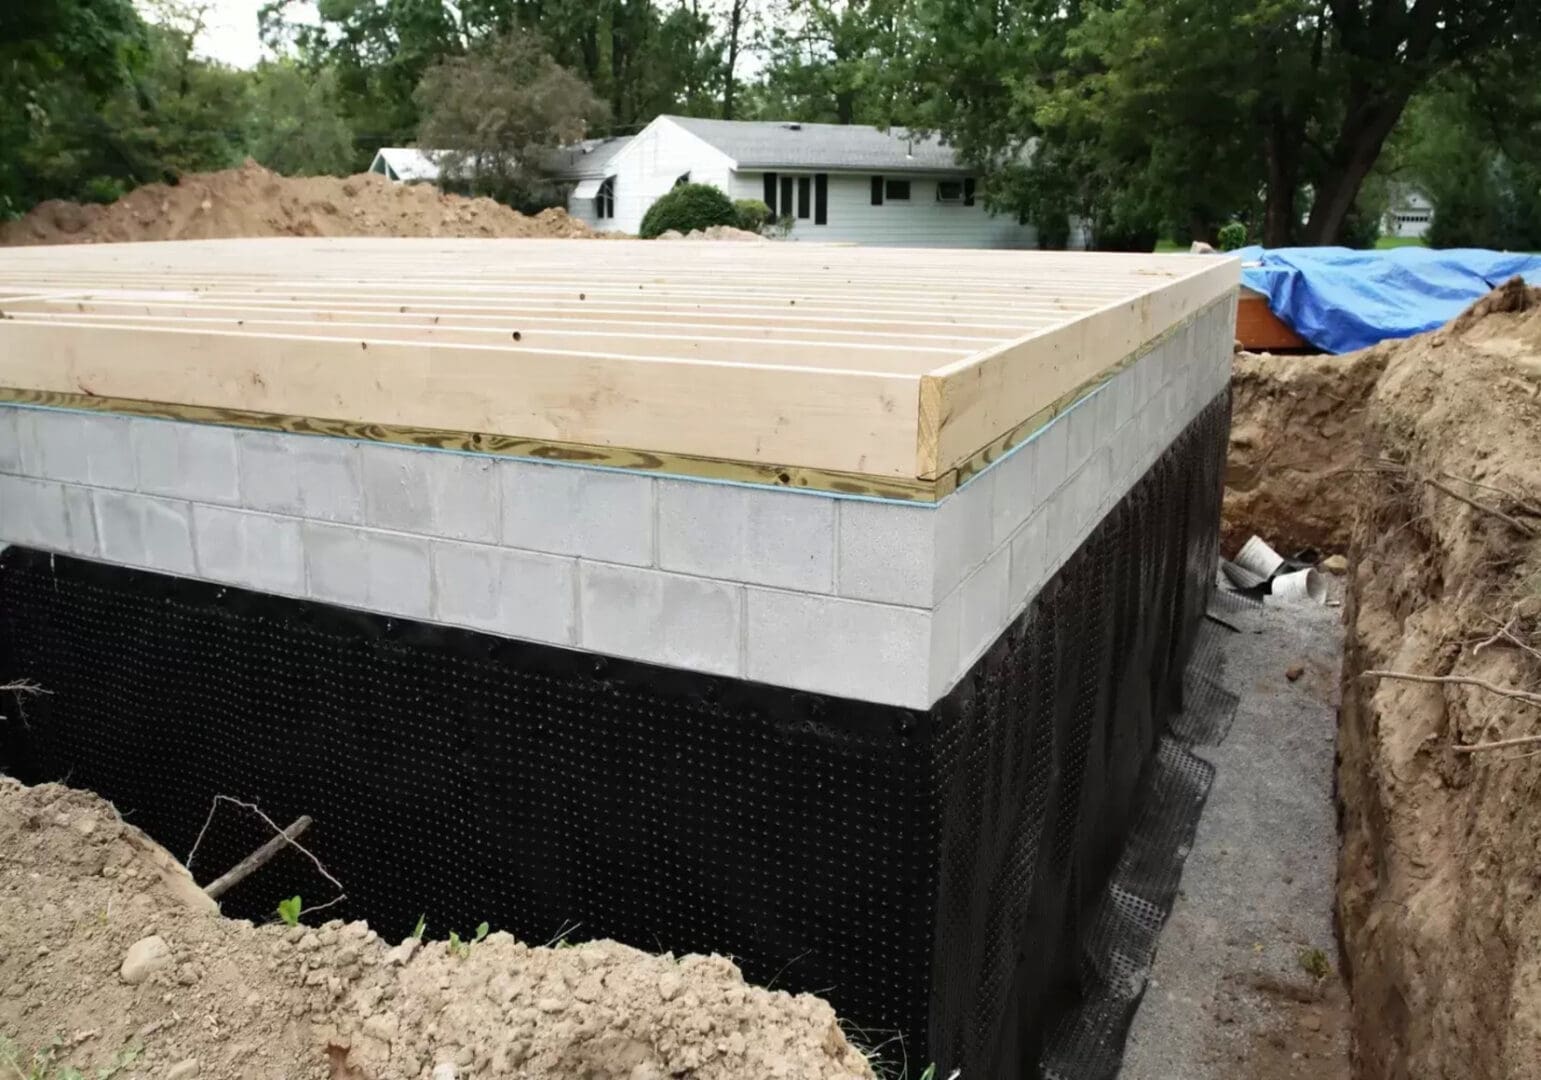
[604, 202]
[968, 192]
[821, 199]
[877, 191]
[770, 192]
[949, 191]
[786, 196]
[804, 191]
[896, 190]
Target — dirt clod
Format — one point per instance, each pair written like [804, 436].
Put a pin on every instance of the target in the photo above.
[144, 958]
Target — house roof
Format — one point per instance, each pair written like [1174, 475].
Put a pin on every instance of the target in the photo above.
[586, 159]
[774, 144]
[409, 163]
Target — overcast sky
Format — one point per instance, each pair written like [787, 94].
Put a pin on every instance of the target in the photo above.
[231, 34]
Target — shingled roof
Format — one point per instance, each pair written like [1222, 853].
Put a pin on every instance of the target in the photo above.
[774, 144]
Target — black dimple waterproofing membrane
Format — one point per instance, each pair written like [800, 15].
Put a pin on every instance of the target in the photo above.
[946, 879]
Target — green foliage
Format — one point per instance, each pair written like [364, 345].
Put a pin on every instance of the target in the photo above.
[43, 1063]
[294, 122]
[461, 948]
[421, 928]
[289, 911]
[686, 208]
[1314, 963]
[499, 110]
[1233, 236]
[753, 214]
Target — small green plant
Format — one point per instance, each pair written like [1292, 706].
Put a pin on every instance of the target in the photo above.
[462, 949]
[1314, 963]
[930, 1073]
[421, 928]
[289, 911]
[687, 208]
[1233, 236]
[753, 215]
[44, 1062]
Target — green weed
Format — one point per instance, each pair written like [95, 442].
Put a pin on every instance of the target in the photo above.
[462, 949]
[1314, 963]
[289, 911]
[421, 928]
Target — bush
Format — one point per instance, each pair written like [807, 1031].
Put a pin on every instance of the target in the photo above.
[752, 214]
[687, 208]
[1233, 236]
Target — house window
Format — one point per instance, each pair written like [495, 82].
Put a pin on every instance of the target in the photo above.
[821, 198]
[786, 196]
[604, 201]
[896, 190]
[949, 191]
[804, 195]
[770, 192]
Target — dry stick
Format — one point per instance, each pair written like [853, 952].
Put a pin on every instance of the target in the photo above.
[243, 869]
[1528, 507]
[1459, 680]
[1501, 632]
[1518, 524]
[254, 808]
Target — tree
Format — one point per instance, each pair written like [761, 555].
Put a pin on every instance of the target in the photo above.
[827, 60]
[295, 124]
[1186, 110]
[499, 110]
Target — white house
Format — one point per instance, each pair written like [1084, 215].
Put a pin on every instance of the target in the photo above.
[1411, 213]
[838, 182]
[406, 164]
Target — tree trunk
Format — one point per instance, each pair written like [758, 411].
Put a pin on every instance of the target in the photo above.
[735, 21]
[1358, 145]
[1280, 144]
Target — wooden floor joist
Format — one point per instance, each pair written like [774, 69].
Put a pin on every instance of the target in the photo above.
[870, 369]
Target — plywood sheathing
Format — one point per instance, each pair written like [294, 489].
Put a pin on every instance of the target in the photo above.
[895, 365]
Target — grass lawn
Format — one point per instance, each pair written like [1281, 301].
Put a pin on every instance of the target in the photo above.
[1398, 241]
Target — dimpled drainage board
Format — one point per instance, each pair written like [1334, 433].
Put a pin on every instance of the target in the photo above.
[941, 876]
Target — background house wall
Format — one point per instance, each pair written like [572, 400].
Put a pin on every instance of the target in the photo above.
[648, 167]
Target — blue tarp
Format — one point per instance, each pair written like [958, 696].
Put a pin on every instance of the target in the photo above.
[1341, 300]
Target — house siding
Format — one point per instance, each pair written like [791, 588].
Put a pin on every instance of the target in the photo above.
[648, 168]
[920, 222]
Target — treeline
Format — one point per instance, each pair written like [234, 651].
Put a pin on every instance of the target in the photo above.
[1301, 120]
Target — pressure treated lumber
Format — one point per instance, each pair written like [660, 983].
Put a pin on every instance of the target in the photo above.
[899, 366]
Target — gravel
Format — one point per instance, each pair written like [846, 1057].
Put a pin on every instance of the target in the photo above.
[1257, 888]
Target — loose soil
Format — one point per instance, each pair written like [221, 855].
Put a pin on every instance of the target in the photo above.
[111, 958]
[1440, 873]
[253, 201]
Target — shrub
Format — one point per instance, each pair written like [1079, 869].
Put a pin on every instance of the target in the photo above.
[752, 214]
[687, 208]
[1233, 236]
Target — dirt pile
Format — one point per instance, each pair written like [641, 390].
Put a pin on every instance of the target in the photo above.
[1291, 418]
[1440, 871]
[253, 201]
[112, 959]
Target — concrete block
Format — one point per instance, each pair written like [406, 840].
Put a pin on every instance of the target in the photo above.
[1053, 455]
[137, 530]
[1081, 433]
[386, 572]
[1016, 490]
[964, 531]
[946, 646]
[986, 605]
[256, 551]
[849, 648]
[80, 522]
[518, 593]
[455, 496]
[82, 448]
[568, 510]
[683, 622]
[188, 461]
[1124, 392]
[1032, 558]
[10, 440]
[32, 513]
[765, 537]
[307, 475]
[887, 552]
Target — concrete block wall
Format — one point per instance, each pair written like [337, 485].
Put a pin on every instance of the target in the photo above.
[885, 602]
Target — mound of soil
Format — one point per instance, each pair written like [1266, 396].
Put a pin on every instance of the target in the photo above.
[1291, 418]
[253, 201]
[1440, 871]
[111, 958]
